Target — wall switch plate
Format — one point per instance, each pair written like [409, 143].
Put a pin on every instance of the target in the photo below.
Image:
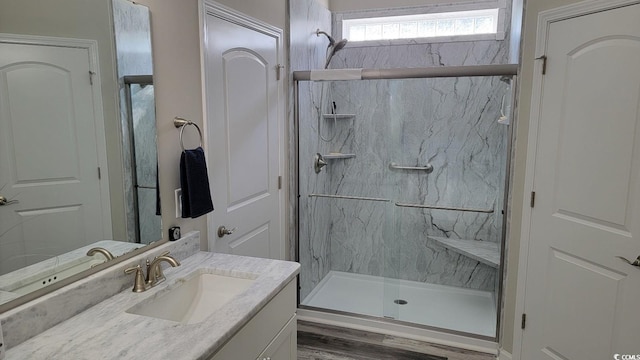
[178, 199]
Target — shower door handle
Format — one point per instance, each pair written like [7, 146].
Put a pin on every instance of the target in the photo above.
[222, 231]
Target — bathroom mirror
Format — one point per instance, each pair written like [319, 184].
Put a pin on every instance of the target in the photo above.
[78, 158]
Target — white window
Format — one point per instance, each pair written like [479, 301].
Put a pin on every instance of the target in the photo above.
[422, 26]
[477, 20]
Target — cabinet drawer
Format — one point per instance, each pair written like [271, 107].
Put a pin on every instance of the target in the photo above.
[256, 335]
[285, 345]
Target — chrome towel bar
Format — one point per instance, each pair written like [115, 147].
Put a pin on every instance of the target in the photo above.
[349, 197]
[486, 211]
[428, 168]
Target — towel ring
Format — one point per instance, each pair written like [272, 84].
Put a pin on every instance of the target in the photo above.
[182, 123]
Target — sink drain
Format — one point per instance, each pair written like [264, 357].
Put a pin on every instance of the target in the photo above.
[400, 302]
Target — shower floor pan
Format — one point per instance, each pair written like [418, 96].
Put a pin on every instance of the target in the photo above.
[448, 307]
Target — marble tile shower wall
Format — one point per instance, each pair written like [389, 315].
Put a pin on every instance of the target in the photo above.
[132, 30]
[308, 52]
[450, 123]
[144, 130]
[456, 53]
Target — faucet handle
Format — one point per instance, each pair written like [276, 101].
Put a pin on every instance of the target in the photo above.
[155, 274]
[139, 283]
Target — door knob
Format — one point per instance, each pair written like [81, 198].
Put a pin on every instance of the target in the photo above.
[222, 231]
[5, 201]
[633, 263]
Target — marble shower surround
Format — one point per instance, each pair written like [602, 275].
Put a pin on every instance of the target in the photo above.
[307, 51]
[448, 122]
[144, 129]
[454, 53]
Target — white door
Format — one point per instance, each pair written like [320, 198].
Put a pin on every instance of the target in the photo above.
[48, 154]
[582, 302]
[244, 108]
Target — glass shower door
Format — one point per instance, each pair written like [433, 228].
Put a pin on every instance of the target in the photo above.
[400, 199]
[406, 165]
[447, 147]
[341, 208]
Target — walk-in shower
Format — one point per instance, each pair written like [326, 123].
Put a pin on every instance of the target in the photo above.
[401, 199]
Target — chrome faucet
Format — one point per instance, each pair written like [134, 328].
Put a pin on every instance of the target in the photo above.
[154, 270]
[102, 251]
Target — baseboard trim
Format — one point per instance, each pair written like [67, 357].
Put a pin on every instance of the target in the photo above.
[504, 355]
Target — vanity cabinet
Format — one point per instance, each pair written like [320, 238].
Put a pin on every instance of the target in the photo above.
[270, 335]
[285, 344]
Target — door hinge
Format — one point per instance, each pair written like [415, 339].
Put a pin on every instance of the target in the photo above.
[279, 68]
[279, 182]
[544, 63]
[99, 174]
[91, 74]
[533, 199]
[523, 324]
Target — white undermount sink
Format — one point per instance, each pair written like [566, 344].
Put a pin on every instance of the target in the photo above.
[194, 298]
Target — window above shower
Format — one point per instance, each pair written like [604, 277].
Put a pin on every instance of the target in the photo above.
[457, 23]
[468, 21]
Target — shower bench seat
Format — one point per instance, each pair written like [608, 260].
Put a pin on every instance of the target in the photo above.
[486, 252]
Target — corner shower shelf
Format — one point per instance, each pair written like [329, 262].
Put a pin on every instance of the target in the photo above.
[333, 156]
[339, 116]
[486, 252]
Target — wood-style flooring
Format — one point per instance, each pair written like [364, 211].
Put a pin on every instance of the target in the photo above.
[324, 342]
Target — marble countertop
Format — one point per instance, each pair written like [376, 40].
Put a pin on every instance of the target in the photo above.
[485, 252]
[106, 331]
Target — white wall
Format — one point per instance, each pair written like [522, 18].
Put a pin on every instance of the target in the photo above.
[351, 5]
[273, 12]
[175, 39]
[324, 3]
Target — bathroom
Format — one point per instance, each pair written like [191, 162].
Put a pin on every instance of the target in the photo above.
[178, 85]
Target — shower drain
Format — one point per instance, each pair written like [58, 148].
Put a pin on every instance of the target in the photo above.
[400, 301]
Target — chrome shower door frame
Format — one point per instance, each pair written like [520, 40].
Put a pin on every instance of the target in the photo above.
[507, 70]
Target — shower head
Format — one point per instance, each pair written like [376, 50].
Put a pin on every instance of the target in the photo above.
[331, 40]
[333, 46]
[340, 45]
[332, 50]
